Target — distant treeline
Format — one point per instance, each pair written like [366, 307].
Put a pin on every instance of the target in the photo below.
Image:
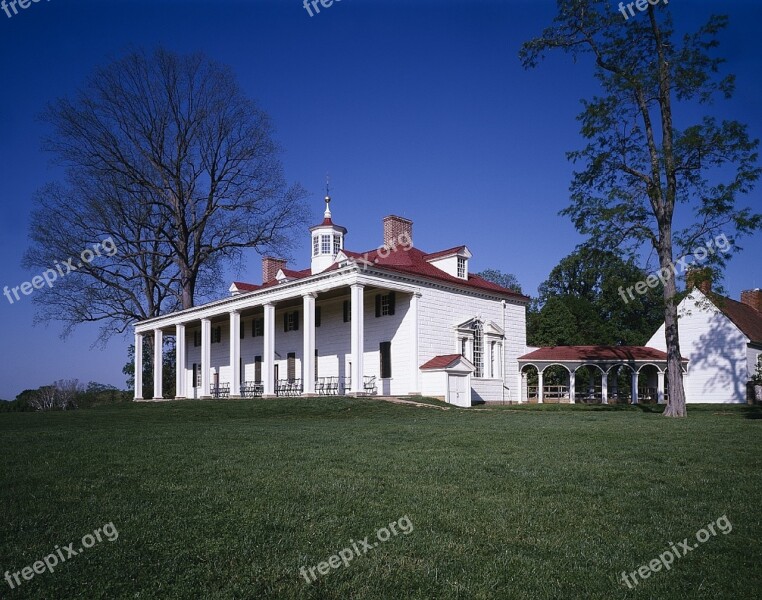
[65, 394]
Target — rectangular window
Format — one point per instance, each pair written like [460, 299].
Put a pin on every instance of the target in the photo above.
[197, 338]
[291, 321]
[257, 369]
[461, 267]
[463, 346]
[257, 327]
[385, 352]
[336, 244]
[315, 245]
[216, 335]
[317, 316]
[493, 359]
[325, 244]
[347, 311]
[385, 304]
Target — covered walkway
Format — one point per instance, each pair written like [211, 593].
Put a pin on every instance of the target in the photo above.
[594, 374]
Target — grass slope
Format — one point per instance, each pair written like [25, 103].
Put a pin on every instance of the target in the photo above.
[229, 499]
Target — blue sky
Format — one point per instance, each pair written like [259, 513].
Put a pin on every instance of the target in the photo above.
[417, 107]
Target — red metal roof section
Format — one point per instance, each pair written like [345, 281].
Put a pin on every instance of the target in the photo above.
[246, 287]
[441, 362]
[594, 353]
[745, 317]
[448, 252]
[414, 262]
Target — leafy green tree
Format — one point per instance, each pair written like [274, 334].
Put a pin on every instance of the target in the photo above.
[580, 303]
[507, 280]
[639, 173]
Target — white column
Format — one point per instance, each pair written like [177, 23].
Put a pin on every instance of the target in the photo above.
[604, 388]
[358, 338]
[269, 351]
[572, 386]
[416, 333]
[235, 354]
[308, 350]
[179, 360]
[539, 386]
[634, 392]
[206, 357]
[158, 363]
[138, 366]
[660, 384]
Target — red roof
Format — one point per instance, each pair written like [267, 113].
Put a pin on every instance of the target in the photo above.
[595, 353]
[411, 261]
[414, 262]
[745, 317]
[246, 287]
[442, 362]
[328, 222]
[448, 252]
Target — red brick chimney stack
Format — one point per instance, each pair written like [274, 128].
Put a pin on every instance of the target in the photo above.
[700, 278]
[753, 298]
[397, 231]
[270, 268]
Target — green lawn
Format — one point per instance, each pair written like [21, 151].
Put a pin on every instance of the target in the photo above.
[229, 499]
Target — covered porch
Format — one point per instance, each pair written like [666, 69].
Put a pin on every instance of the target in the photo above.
[594, 374]
[286, 361]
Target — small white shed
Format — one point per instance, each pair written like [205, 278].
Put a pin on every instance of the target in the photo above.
[448, 377]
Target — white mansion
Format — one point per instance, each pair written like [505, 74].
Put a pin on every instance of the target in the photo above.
[391, 321]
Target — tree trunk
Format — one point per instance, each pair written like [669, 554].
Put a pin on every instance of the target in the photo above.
[676, 402]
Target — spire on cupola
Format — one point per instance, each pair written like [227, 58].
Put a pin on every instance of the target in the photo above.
[327, 238]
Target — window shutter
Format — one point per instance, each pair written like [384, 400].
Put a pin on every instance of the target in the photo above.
[378, 305]
[296, 320]
[195, 367]
[285, 321]
[317, 316]
[392, 300]
[385, 353]
[346, 310]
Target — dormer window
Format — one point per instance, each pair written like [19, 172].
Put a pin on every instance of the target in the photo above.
[462, 267]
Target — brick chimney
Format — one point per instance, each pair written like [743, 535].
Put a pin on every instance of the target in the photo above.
[270, 268]
[700, 278]
[397, 231]
[753, 298]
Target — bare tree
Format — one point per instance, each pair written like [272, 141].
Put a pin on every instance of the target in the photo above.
[165, 154]
[60, 395]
